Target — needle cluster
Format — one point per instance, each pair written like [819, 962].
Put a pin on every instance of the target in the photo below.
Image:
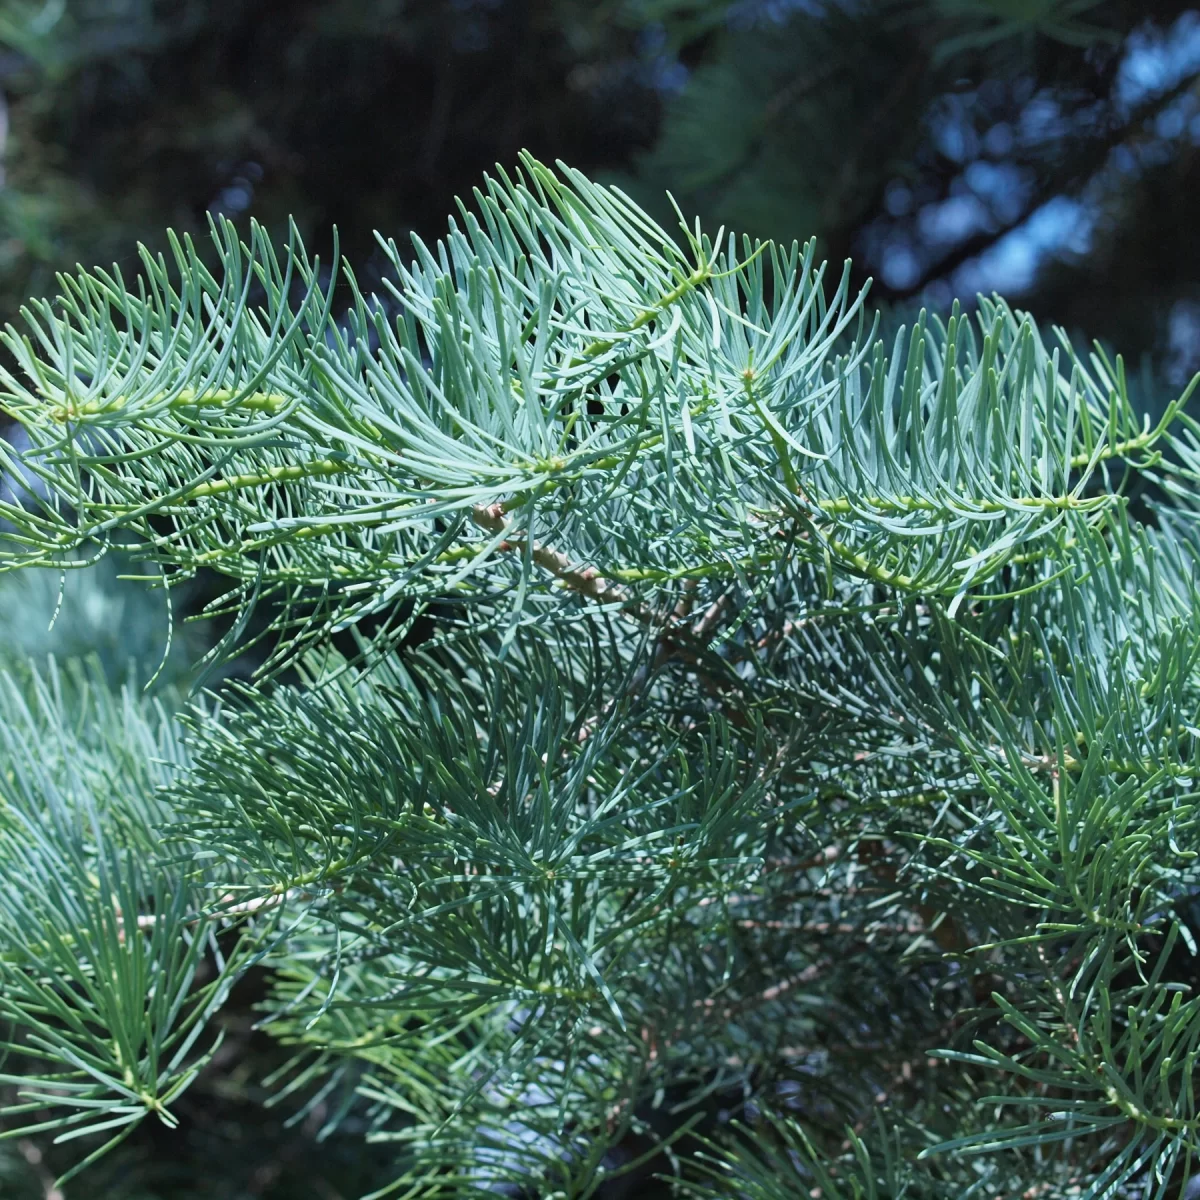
[741, 707]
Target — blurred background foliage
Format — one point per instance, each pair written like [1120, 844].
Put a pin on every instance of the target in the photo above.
[1047, 149]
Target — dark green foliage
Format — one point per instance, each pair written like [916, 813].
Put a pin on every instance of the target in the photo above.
[125, 116]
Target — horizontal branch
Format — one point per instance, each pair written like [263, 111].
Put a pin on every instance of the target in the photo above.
[269, 402]
[147, 921]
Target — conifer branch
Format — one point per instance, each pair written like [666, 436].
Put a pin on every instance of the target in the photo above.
[776, 679]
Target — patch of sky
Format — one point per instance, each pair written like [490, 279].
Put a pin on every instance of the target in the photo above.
[1041, 120]
[237, 195]
[1157, 60]
[899, 267]
[663, 71]
[1010, 265]
[952, 129]
[953, 220]
[1002, 185]
[998, 141]
[1154, 61]
[898, 199]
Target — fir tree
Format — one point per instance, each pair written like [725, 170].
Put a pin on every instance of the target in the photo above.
[674, 692]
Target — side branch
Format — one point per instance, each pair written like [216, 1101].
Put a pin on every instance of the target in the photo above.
[586, 581]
